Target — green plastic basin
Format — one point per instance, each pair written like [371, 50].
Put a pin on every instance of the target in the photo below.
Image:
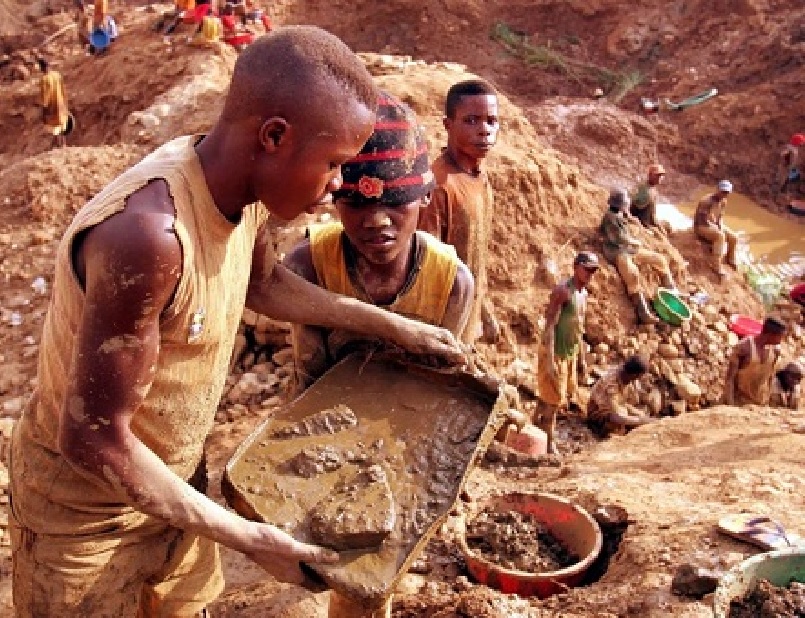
[670, 307]
[780, 567]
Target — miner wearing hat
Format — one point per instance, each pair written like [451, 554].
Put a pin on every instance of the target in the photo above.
[628, 255]
[375, 252]
[646, 196]
[561, 351]
[708, 224]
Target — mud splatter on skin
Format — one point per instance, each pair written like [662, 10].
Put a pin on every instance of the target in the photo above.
[120, 342]
[75, 408]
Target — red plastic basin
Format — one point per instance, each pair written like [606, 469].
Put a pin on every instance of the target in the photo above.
[569, 523]
[745, 326]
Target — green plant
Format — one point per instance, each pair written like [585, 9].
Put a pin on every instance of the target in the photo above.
[617, 83]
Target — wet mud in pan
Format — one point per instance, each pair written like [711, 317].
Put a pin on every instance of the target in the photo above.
[368, 461]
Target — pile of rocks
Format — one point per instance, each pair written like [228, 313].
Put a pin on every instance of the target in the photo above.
[687, 363]
[261, 369]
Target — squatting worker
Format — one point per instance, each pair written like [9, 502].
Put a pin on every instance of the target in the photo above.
[462, 204]
[561, 351]
[752, 364]
[708, 224]
[608, 409]
[375, 252]
[108, 515]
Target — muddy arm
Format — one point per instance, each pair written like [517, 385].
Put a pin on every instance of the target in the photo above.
[281, 294]
[130, 266]
[459, 304]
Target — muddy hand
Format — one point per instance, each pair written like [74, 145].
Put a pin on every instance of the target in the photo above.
[280, 554]
[420, 338]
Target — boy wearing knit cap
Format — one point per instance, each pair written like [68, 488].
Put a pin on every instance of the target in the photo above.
[375, 253]
[460, 212]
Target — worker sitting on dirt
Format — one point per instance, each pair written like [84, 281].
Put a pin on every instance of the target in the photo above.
[375, 253]
[608, 409]
[646, 196]
[627, 254]
[561, 351]
[708, 224]
[786, 389]
[752, 365]
[55, 113]
[151, 279]
[789, 173]
[460, 212]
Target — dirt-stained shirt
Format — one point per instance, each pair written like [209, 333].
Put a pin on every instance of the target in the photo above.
[644, 204]
[460, 214]
[617, 239]
[197, 333]
[710, 210]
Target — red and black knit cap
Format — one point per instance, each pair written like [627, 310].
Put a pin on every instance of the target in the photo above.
[393, 166]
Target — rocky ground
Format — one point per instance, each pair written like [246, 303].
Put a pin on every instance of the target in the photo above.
[558, 153]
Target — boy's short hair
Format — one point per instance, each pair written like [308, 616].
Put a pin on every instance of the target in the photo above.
[635, 365]
[774, 326]
[285, 64]
[467, 88]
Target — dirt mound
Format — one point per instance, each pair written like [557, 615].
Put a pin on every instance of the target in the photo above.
[751, 53]
[559, 152]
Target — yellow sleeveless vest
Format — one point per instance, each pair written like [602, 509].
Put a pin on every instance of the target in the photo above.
[427, 298]
[197, 334]
[211, 28]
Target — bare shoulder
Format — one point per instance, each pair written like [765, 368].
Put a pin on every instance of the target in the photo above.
[135, 250]
[464, 283]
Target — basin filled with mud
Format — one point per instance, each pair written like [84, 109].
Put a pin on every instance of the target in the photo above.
[528, 544]
[768, 584]
[368, 461]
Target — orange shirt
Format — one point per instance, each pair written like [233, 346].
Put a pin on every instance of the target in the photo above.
[460, 214]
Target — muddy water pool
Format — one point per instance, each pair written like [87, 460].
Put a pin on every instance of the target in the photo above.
[766, 237]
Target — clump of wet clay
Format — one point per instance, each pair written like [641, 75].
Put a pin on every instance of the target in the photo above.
[770, 601]
[315, 460]
[328, 421]
[360, 514]
[517, 541]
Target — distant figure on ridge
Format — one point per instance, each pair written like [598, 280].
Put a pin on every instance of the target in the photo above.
[55, 113]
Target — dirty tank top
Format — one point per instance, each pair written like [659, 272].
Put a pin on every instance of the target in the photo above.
[197, 333]
[460, 214]
[568, 327]
[426, 299]
[753, 382]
